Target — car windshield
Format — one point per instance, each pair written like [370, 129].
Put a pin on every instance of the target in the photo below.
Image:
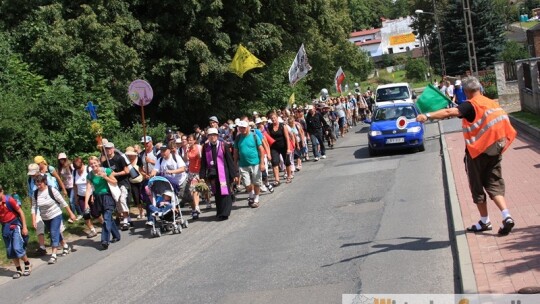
[394, 93]
[392, 113]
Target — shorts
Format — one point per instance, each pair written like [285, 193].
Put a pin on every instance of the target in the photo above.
[251, 175]
[122, 204]
[193, 179]
[341, 122]
[484, 173]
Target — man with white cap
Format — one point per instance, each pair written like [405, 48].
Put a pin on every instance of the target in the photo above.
[459, 93]
[120, 168]
[249, 157]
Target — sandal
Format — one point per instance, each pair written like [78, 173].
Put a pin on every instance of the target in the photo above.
[483, 227]
[276, 183]
[508, 224]
[17, 274]
[289, 180]
[27, 270]
[254, 205]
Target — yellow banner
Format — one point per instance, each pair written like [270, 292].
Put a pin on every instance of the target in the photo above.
[244, 61]
[401, 39]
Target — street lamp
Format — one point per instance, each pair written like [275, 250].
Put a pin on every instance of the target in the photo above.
[418, 12]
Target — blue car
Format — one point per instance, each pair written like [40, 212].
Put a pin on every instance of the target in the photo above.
[394, 126]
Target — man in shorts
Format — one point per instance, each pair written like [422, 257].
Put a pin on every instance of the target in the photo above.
[249, 157]
[488, 133]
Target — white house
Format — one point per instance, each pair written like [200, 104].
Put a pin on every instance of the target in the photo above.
[395, 36]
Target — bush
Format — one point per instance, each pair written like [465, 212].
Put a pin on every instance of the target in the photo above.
[491, 92]
[382, 80]
[416, 69]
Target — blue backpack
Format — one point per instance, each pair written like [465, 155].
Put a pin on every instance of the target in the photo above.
[9, 205]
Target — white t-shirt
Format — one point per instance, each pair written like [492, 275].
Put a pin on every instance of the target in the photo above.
[67, 177]
[163, 165]
[450, 91]
[80, 181]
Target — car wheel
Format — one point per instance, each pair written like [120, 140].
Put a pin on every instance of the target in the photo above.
[372, 151]
[422, 148]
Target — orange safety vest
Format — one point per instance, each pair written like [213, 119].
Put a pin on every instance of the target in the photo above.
[490, 124]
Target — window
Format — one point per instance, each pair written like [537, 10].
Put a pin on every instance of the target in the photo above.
[390, 51]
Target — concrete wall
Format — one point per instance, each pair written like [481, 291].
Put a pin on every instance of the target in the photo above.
[508, 90]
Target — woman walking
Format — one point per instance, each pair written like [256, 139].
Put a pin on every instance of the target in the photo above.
[65, 169]
[280, 147]
[49, 202]
[99, 179]
[80, 175]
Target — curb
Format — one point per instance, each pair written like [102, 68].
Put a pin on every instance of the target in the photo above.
[465, 267]
[524, 127]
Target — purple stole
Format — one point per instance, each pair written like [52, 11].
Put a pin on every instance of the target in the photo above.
[222, 177]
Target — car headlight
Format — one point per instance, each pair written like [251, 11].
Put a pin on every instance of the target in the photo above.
[375, 133]
[414, 129]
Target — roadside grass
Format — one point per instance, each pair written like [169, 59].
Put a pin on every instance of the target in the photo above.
[77, 228]
[526, 24]
[392, 77]
[528, 117]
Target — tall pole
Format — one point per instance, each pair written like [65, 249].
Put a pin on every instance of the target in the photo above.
[441, 53]
[471, 50]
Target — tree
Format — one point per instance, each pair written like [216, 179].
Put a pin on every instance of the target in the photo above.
[416, 69]
[513, 51]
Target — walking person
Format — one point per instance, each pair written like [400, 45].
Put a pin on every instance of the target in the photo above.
[49, 202]
[280, 147]
[65, 169]
[217, 168]
[315, 124]
[135, 184]
[80, 176]
[488, 133]
[14, 231]
[249, 158]
[193, 154]
[99, 179]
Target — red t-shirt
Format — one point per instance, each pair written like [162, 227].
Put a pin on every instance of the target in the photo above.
[6, 215]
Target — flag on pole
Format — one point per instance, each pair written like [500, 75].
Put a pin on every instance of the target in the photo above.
[300, 66]
[244, 61]
[340, 76]
[431, 100]
[291, 100]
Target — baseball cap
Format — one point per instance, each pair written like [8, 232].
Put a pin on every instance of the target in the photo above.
[212, 131]
[213, 118]
[458, 82]
[258, 120]
[164, 147]
[242, 124]
[148, 139]
[39, 159]
[62, 155]
[108, 145]
[33, 169]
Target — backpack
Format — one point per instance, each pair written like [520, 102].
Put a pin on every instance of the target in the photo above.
[9, 206]
[51, 194]
[237, 139]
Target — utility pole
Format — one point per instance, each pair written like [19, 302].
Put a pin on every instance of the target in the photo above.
[473, 65]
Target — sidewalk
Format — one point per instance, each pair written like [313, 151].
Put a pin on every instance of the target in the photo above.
[502, 264]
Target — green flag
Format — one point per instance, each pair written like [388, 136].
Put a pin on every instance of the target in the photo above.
[431, 100]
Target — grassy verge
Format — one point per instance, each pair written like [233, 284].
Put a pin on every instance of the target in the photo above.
[392, 77]
[76, 228]
[530, 118]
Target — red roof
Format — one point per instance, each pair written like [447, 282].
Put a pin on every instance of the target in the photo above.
[365, 32]
[374, 41]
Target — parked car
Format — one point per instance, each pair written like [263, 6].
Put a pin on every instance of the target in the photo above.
[395, 92]
[394, 126]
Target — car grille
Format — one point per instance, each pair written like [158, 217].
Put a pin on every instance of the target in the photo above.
[390, 132]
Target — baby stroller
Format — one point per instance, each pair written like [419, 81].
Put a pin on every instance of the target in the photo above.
[168, 217]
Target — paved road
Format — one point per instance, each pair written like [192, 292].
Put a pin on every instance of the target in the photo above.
[347, 224]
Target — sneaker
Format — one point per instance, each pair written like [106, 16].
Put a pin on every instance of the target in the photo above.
[70, 221]
[208, 205]
[79, 217]
[114, 240]
[41, 252]
[483, 227]
[254, 205]
[508, 224]
[52, 260]
[323, 157]
[194, 214]
[263, 188]
[91, 234]
[149, 223]
[316, 159]
[66, 251]
[105, 246]
[124, 226]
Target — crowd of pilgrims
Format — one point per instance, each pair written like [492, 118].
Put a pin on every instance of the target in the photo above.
[252, 154]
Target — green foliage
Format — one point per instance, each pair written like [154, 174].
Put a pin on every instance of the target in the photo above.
[513, 51]
[491, 92]
[416, 69]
